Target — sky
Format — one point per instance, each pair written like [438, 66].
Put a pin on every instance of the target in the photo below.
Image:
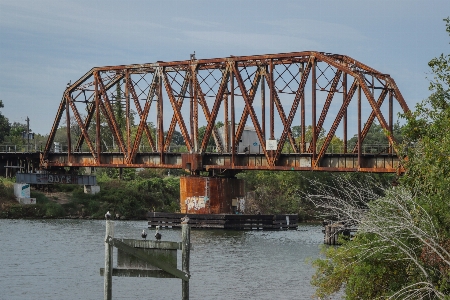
[45, 44]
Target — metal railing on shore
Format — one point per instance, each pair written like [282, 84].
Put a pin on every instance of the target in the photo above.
[10, 148]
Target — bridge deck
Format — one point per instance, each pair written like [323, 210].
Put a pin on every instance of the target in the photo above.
[331, 162]
[384, 163]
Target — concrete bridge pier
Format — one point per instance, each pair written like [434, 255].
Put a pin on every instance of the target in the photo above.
[211, 195]
[91, 189]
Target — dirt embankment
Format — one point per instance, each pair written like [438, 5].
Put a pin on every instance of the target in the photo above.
[58, 197]
[5, 203]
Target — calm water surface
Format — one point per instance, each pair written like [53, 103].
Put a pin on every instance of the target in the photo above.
[60, 259]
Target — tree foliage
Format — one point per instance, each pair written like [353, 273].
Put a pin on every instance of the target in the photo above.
[397, 252]
[118, 109]
[274, 192]
[376, 136]
[402, 248]
[4, 125]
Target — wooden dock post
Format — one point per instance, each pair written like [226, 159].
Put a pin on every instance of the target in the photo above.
[332, 234]
[327, 235]
[107, 290]
[144, 258]
[332, 231]
[185, 254]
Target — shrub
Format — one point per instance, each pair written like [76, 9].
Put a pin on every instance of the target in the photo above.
[54, 210]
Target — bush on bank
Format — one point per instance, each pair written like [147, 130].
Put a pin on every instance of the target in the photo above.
[129, 199]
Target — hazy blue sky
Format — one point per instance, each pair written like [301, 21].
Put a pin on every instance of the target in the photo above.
[44, 44]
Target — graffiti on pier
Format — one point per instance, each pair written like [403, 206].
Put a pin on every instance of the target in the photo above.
[196, 203]
[46, 178]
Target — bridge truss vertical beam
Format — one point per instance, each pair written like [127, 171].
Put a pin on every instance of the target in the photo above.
[313, 110]
[97, 121]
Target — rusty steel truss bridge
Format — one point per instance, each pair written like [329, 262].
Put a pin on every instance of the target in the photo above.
[193, 114]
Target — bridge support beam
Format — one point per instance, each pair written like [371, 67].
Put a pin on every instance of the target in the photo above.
[211, 195]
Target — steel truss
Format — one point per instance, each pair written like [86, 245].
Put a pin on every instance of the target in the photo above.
[191, 95]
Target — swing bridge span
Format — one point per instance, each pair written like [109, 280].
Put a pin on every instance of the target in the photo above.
[306, 111]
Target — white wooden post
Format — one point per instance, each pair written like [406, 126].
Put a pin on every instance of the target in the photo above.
[108, 261]
[185, 248]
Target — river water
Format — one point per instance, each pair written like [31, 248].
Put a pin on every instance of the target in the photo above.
[60, 259]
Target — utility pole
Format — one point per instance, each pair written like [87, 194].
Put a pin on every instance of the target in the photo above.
[28, 133]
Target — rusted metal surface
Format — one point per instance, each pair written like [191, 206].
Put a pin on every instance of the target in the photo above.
[193, 97]
[191, 161]
[331, 162]
[313, 109]
[209, 195]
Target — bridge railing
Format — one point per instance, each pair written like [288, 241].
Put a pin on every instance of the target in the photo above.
[332, 149]
[11, 148]
[115, 149]
[365, 149]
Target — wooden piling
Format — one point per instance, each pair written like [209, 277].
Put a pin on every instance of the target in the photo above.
[185, 253]
[333, 235]
[332, 231]
[107, 291]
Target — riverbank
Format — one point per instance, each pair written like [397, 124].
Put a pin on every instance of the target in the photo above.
[47, 206]
[59, 205]
[126, 200]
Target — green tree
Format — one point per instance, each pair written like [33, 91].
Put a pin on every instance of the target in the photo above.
[335, 146]
[201, 134]
[386, 257]
[376, 139]
[177, 138]
[5, 127]
[118, 109]
[296, 133]
[275, 192]
[427, 141]
[15, 135]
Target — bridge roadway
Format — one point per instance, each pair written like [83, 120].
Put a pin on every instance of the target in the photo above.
[330, 162]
